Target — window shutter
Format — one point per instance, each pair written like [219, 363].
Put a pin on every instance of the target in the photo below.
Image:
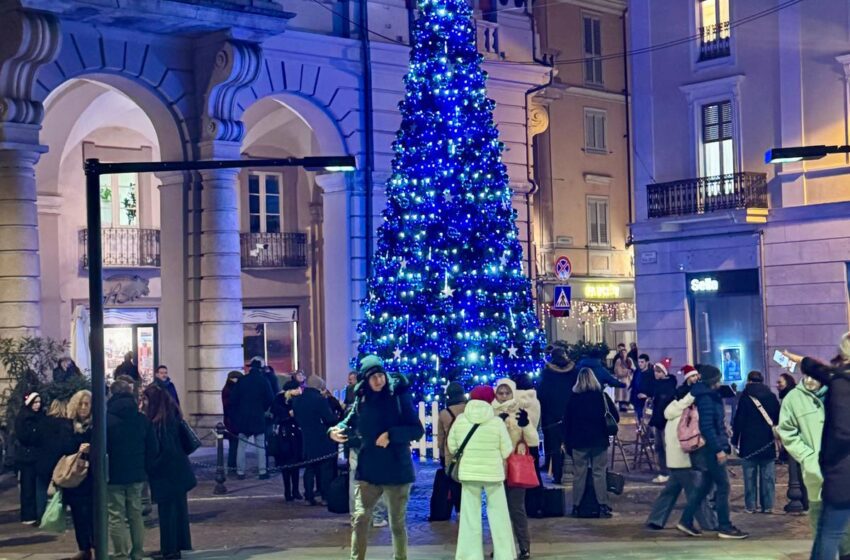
[717, 122]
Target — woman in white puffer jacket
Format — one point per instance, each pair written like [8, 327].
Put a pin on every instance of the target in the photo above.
[482, 469]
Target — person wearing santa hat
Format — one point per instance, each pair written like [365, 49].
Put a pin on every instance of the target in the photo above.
[26, 432]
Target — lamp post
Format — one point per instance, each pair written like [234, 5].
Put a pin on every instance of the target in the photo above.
[801, 153]
[94, 169]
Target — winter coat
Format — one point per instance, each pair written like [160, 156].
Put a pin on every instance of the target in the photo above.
[623, 372]
[71, 445]
[168, 387]
[129, 369]
[170, 473]
[272, 379]
[584, 421]
[64, 375]
[288, 449]
[485, 453]
[27, 435]
[508, 411]
[372, 414]
[315, 418]
[445, 421]
[227, 407]
[750, 433]
[336, 408]
[555, 388]
[130, 441]
[676, 457]
[835, 449]
[600, 371]
[663, 393]
[642, 384]
[527, 400]
[251, 398]
[712, 416]
[801, 421]
[55, 435]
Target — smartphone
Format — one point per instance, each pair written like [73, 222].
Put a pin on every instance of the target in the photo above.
[780, 358]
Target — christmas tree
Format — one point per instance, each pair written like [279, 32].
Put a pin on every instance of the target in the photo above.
[448, 299]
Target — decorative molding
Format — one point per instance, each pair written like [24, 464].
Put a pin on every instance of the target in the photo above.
[124, 288]
[597, 179]
[579, 91]
[49, 203]
[607, 6]
[33, 39]
[538, 118]
[730, 85]
[236, 66]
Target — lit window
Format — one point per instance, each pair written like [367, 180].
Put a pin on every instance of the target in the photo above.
[264, 202]
[714, 29]
[718, 154]
[592, 50]
[597, 221]
[119, 200]
[594, 130]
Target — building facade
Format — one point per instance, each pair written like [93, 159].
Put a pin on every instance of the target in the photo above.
[582, 207]
[735, 257]
[204, 270]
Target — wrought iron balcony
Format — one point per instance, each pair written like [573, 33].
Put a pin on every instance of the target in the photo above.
[714, 41]
[273, 250]
[707, 194]
[124, 248]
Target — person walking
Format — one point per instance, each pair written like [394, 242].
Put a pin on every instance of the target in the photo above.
[711, 458]
[556, 385]
[520, 428]
[129, 368]
[27, 424]
[251, 398]
[752, 435]
[164, 382]
[455, 406]
[801, 421]
[170, 474]
[80, 499]
[385, 423]
[315, 418]
[289, 448]
[682, 476]
[586, 436]
[663, 393]
[132, 447]
[482, 470]
[66, 370]
[641, 386]
[232, 431]
[623, 371]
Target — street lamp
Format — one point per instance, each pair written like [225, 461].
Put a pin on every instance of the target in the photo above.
[94, 169]
[800, 153]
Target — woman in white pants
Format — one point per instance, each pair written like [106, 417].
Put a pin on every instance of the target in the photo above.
[482, 469]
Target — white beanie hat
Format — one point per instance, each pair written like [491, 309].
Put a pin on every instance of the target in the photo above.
[30, 397]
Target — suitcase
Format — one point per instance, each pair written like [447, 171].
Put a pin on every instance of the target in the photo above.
[588, 508]
[441, 498]
[337, 497]
[543, 502]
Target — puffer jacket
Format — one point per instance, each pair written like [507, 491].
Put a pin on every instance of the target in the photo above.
[527, 400]
[485, 453]
[556, 387]
[676, 457]
[800, 428]
[712, 416]
[509, 410]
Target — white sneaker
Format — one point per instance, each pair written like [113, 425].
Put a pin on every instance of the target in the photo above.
[661, 479]
[378, 524]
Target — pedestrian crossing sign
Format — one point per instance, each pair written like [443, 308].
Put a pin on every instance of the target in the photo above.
[562, 301]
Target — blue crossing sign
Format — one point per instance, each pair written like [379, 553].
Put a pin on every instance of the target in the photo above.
[562, 301]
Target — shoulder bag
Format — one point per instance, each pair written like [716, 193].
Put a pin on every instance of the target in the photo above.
[611, 426]
[71, 470]
[453, 470]
[189, 440]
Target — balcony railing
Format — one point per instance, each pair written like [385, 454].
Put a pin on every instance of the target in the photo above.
[707, 194]
[273, 250]
[714, 41]
[124, 247]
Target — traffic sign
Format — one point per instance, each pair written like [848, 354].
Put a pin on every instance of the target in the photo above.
[562, 301]
[563, 267]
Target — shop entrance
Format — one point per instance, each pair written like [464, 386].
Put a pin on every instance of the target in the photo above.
[130, 330]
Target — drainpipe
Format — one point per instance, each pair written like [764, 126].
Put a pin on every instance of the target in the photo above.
[763, 290]
[628, 125]
[368, 129]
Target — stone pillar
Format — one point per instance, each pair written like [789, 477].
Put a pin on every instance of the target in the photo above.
[173, 318]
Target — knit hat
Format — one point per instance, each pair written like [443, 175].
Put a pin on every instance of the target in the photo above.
[483, 393]
[662, 367]
[454, 394]
[710, 374]
[369, 366]
[29, 398]
[315, 382]
[689, 371]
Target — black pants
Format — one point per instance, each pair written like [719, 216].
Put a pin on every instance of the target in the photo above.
[232, 447]
[82, 512]
[290, 483]
[28, 503]
[553, 439]
[174, 532]
[321, 473]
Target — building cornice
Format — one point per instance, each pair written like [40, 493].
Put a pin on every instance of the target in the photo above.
[607, 6]
[558, 90]
[710, 88]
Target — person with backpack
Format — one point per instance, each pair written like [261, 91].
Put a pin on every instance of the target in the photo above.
[480, 441]
[384, 422]
[752, 435]
[455, 406]
[711, 457]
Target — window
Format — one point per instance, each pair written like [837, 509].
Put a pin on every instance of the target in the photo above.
[594, 130]
[592, 50]
[597, 221]
[714, 29]
[119, 200]
[718, 156]
[264, 202]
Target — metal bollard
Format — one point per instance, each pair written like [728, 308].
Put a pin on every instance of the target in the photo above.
[220, 469]
[795, 490]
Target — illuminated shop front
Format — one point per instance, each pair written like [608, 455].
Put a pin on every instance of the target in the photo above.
[600, 311]
[271, 333]
[727, 325]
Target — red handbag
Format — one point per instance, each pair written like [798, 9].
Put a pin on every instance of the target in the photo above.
[521, 470]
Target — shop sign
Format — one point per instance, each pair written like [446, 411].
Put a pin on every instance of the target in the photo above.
[723, 282]
[601, 291]
[702, 285]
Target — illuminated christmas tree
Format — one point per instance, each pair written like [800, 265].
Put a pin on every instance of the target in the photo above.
[448, 299]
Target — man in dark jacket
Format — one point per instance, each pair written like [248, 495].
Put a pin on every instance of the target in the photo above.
[556, 386]
[132, 446]
[663, 393]
[128, 368]
[315, 418]
[384, 423]
[66, 371]
[594, 361]
[752, 434]
[251, 398]
[164, 382]
[711, 458]
[641, 387]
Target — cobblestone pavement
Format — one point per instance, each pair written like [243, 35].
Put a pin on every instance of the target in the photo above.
[252, 521]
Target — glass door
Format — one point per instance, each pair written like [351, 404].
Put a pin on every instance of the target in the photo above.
[139, 339]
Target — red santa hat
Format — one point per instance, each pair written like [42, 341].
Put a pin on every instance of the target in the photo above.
[688, 371]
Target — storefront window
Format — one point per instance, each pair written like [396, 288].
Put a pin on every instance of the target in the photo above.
[130, 330]
[272, 333]
[600, 312]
